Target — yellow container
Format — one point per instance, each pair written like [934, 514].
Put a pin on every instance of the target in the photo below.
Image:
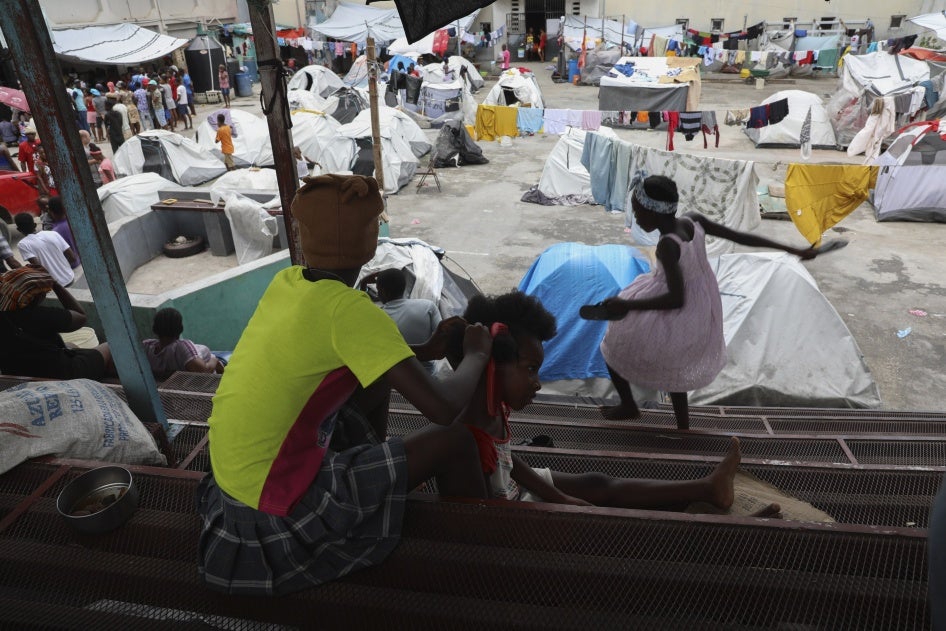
[745, 73]
[470, 130]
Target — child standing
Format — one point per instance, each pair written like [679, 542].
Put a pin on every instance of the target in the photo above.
[505, 55]
[223, 77]
[225, 138]
[667, 332]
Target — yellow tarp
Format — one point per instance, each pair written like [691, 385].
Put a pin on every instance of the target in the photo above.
[818, 196]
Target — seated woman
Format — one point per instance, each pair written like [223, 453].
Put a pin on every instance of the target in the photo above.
[519, 324]
[169, 353]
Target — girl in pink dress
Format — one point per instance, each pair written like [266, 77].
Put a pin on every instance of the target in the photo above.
[667, 329]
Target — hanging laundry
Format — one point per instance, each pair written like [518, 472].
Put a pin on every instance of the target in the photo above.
[643, 117]
[596, 157]
[339, 49]
[804, 137]
[573, 118]
[590, 120]
[486, 122]
[690, 124]
[621, 153]
[818, 196]
[452, 32]
[709, 126]
[441, 39]
[506, 121]
[529, 120]
[757, 117]
[777, 111]
[737, 117]
[673, 121]
[555, 121]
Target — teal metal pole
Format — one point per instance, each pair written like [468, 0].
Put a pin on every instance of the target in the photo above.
[28, 39]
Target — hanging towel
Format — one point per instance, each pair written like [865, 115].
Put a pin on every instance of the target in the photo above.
[554, 122]
[777, 111]
[506, 118]
[486, 122]
[596, 157]
[529, 120]
[590, 120]
[620, 178]
[642, 117]
[573, 118]
[708, 123]
[673, 121]
[690, 124]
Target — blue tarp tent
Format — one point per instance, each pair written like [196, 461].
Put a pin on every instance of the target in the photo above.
[567, 276]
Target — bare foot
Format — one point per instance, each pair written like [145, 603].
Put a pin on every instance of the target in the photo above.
[721, 479]
[772, 510]
[620, 412]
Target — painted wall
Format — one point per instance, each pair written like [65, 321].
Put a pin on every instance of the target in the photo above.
[216, 309]
[77, 13]
[289, 13]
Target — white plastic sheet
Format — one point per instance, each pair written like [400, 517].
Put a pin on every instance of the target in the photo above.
[253, 228]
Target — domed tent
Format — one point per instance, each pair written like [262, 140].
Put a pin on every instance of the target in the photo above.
[348, 103]
[786, 345]
[565, 181]
[316, 79]
[911, 182]
[305, 100]
[434, 72]
[132, 195]
[250, 135]
[402, 143]
[170, 155]
[311, 132]
[515, 87]
[787, 132]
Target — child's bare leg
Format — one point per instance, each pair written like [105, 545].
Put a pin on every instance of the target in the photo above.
[449, 454]
[602, 490]
[681, 409]
[627, 408]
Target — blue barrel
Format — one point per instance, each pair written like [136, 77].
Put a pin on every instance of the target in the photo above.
[244, 87]
[572, 70]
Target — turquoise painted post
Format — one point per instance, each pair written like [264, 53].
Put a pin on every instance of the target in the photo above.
[24, 28]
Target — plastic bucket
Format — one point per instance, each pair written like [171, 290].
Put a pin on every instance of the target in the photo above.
[572, 70]
[244, 87]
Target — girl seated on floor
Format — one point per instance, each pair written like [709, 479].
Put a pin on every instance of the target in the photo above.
[519, 324]
[169, 353]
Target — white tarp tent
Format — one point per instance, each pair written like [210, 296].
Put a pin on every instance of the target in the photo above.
[168, 154]
[523, 86]
[317, 79]
[311, 132]
[787, 132]
[131, 196]
[911, 182]
[250, 137]
[402, 143]
[305, 100]
[357, 22]
[434, 72]
[564, 179]
[113, 44]
[881, 73]
[785, 344]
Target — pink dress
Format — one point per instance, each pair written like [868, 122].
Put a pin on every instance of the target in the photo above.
[673, 350]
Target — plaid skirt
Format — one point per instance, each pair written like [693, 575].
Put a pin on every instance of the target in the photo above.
[350, 518]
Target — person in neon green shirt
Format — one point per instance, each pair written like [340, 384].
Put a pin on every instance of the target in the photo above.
[304, 487]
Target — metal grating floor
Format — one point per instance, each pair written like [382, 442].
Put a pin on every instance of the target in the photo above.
[465, 566]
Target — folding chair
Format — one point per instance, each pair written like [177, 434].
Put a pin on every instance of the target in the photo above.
[430, 170]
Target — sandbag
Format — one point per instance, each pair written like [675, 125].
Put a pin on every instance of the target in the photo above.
[78, 418]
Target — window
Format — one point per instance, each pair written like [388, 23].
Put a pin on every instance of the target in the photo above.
[717, 24]
[896, 21]
[787, 22]
[826, 23]
[685, 22]
[576, 7]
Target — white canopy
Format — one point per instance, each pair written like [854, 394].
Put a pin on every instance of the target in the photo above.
[933, 21]
[881, 73]
[358, 22]
[113, 44]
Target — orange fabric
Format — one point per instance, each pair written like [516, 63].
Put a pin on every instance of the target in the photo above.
[225, 136]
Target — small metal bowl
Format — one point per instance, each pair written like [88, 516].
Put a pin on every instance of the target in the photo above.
[99, 501]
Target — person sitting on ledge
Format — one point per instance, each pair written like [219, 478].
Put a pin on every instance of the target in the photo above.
[169, 353]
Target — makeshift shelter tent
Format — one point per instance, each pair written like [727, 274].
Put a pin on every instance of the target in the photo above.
[434, 72]
[357, 75]
[648, 33]
[598, 63]
[785, 343]
[812, 360]
[514, 86]
[311, 132]
[655, 85]
[787, 132]
[250, 136]
[356, 22]
[168, 154]
[911, 182]
[564, 277]
[443, 101]
[565, 181]
[348, 102]
[429, 276]
[305, 100]
[131, 196]
[866, 77]
[319, 80]
[402, 143]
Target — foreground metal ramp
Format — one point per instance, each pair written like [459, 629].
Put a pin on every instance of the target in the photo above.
[465, 565]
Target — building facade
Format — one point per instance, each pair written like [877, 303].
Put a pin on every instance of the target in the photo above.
[178, 18]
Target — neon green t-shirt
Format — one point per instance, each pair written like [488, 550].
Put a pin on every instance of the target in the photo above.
[301, 356]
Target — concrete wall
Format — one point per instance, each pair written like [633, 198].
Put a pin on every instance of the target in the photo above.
[148, 13]
[216, 309]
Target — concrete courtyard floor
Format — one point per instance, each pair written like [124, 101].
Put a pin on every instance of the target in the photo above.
[887, 270]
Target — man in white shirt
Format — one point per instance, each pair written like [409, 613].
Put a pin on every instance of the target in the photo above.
[182, 111]
[46, 248]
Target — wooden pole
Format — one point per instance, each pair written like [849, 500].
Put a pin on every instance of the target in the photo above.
[24, 28]
[375, 123]
[622, 33]
[276, 109]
